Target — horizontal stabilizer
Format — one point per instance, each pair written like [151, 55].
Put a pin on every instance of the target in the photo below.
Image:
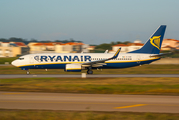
[161, 54]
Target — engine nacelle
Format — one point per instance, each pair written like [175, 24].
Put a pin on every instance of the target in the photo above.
[73, 68]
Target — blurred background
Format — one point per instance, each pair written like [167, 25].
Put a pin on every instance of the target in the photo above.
[84, 26]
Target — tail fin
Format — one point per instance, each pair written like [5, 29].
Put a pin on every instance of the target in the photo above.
[153, 45]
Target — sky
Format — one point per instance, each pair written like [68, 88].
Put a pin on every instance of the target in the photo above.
[89, 21]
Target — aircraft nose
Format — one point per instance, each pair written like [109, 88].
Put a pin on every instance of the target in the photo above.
[14, 62]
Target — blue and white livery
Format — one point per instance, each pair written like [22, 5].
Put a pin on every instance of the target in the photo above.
[75, 62]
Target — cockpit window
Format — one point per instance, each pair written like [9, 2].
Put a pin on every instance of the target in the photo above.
[20, 58]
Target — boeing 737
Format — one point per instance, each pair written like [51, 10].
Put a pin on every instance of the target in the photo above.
[75, 62]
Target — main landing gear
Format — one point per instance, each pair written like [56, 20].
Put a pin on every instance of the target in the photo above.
[89, 71]
[27, 70]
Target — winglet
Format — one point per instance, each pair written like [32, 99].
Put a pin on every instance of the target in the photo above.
[116, 54]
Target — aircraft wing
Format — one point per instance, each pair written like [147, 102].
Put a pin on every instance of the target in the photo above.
[100, 62]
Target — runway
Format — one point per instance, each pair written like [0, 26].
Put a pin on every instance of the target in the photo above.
[89, 102]
[87, 76]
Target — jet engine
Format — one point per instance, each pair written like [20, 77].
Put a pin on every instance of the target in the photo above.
[73, 68]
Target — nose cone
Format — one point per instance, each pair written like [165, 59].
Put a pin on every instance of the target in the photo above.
[14, 62]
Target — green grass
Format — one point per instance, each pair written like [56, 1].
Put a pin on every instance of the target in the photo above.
[144, 69]
[69, 115]
[147, 86]
[7, 59]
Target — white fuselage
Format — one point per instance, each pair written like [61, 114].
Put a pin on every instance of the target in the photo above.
[58, 61]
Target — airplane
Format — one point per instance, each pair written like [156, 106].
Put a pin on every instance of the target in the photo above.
[76, 62]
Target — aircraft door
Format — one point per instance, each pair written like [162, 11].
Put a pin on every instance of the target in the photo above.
[31, 60]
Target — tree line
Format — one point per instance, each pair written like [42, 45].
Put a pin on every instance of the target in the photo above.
[108, 46]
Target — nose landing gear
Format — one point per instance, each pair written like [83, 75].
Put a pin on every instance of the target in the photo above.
[27, 72]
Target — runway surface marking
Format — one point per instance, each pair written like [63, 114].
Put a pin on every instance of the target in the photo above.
[137, 105]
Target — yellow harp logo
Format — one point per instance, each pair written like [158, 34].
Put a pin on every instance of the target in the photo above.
[155, 41]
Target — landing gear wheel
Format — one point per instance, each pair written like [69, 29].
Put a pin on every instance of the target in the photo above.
[89, 72]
